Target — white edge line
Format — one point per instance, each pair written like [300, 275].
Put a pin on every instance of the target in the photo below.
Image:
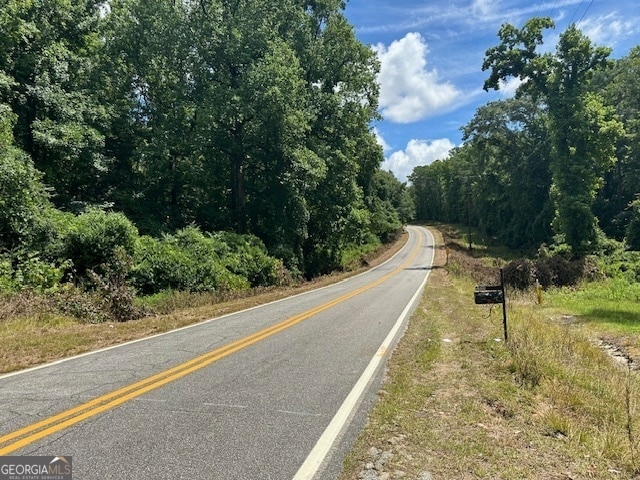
[326, 441]
[194, 325]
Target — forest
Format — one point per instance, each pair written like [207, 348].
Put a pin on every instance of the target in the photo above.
[557, 166]
[194, 144]
[215, 145]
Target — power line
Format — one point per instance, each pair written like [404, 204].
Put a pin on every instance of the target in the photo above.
[578, 9]
[575, 12]
[585, 12]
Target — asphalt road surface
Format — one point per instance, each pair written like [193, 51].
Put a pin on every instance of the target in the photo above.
[275, 392]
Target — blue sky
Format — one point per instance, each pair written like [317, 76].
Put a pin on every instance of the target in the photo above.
[431, 52]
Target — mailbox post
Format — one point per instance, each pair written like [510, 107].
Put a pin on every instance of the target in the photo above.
[490, 295]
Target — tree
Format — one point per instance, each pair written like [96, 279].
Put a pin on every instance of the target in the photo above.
[47, 55]
[255, 118]
[632, 232]
[583, 130]
[622, 92]
[24, 201]
[155, 113]
[511, 179]
[442, 188]
[341, 78]
[391, 205]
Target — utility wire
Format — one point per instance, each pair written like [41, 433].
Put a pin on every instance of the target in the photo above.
[585, 12]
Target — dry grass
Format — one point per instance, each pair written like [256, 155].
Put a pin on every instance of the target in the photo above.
[31, 334]
[459, 403]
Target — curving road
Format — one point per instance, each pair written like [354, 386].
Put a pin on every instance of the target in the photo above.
[274, 392]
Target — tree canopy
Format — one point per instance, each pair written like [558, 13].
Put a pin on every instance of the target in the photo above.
[583, 131]
[231, 115]
[553, 164]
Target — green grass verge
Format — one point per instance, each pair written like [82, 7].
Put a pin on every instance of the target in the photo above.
[612, 303]
[459, 403]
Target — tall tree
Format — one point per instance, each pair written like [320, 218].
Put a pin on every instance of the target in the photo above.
[255, 117]
[48, 52]
[341, 77]
[583, 130]
[510, 177]
[24, 201]
[621, 90]
[442, 189]
[155, 109]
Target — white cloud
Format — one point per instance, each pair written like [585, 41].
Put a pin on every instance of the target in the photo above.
[610, 29]
[408, 91]
[483, 8]
[381, 141]
[417, 153]
[508, 87]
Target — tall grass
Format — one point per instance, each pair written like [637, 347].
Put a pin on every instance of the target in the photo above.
[588, 399]
[549, 403]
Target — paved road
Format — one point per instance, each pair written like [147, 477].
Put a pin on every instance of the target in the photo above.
[275, 392]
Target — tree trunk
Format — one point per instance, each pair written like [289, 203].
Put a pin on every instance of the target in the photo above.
[238, 193]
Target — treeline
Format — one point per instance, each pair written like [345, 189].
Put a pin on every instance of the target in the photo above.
[179, 119]
[559, 164]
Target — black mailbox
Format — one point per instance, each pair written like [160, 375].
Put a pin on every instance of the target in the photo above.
[488, 294]
[491, 294]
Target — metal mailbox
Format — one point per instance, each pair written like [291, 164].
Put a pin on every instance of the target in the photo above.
[492, 294]
[488, 294]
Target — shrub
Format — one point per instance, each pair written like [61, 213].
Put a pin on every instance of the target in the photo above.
[562, 272]
[112, 287]
[520, 274]
[248, 257]
[36, 274]
[554, 270]
[27, 271]
[159, 265]
[6, 275]
[24, 202]
[187, 260]
[93, 237]
[85, 306]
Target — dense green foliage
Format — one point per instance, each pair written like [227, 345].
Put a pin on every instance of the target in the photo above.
[557, 164]
[172, 119]
[193, 261]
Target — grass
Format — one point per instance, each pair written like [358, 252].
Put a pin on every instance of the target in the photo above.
[30, 334]
[459, 403]
[613, 304]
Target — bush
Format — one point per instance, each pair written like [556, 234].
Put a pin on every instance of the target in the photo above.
[187, 260]
[93, 237]
[24, 202]
[82, 305]
[625, 264]
[520, 274]
[248, 257]
[6, 275]
[29, 272]
[112, 287]
[554, 270]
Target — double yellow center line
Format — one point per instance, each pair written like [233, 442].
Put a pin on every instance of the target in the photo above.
[32, 433]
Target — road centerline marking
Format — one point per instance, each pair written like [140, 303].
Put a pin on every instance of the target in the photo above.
[339, 422]
[22, 437]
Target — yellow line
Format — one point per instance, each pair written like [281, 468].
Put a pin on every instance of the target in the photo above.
[56, 423]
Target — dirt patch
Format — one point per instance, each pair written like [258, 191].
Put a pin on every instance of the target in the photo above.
[622, 351]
